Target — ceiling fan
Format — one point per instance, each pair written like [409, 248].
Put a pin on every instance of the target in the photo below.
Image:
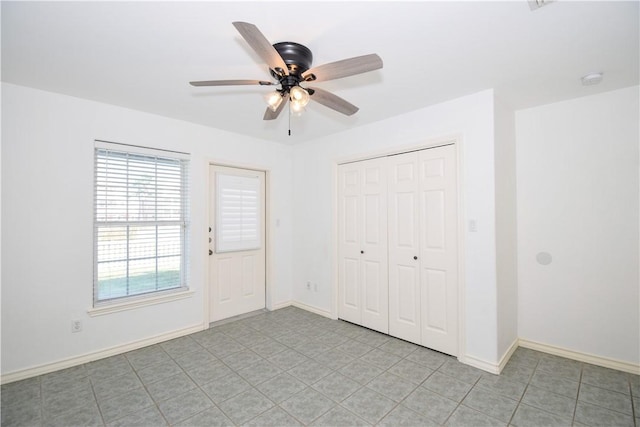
[290, 65]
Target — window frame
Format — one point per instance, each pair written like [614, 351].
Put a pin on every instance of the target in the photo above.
[104, 305]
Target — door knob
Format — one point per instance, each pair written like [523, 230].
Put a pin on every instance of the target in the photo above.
[415, 257]
[361, 252]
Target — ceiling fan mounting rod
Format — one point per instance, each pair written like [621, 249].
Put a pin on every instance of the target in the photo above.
[289, 81]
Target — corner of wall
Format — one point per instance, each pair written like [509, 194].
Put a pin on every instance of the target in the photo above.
[506, 228]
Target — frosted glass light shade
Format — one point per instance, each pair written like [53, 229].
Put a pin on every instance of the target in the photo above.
[299, 95]
[274, 99]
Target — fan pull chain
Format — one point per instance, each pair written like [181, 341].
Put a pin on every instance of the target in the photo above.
[289, 118]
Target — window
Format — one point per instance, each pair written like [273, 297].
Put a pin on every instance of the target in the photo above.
[237, 213]
[141, 222]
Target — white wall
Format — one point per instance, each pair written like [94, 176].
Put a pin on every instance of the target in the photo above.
[578, 190]
[314, 193]
[577, 198]
[47, 217]
[506, 228]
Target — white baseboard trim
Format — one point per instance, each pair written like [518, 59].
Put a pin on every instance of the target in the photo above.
[280, 305]
[90, 357]
[581, 357]
[492, 368]
[507, 355]
[312, 309]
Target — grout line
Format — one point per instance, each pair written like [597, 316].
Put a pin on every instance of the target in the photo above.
[311, 326]
[524, 392]
[95, 397]
[575, 408]
[41, 420]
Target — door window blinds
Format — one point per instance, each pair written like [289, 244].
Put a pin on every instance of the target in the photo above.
[237, 213]
[141, 224]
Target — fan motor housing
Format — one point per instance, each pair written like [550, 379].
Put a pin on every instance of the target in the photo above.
[297, 57]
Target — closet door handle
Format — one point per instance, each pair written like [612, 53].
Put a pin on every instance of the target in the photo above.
[361, 252]
[415, 257]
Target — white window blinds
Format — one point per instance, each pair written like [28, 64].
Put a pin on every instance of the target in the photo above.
[237, 213]
[141, 224]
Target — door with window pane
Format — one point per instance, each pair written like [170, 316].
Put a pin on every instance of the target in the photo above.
[237, 241]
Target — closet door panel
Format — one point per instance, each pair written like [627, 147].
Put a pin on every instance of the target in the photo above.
[350, 237]
[375, 313]
[434, 300]
[403, 232]
[438, 249]
[363, 265]
[374, 304]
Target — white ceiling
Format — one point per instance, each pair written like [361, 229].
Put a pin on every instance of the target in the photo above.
[141, 55]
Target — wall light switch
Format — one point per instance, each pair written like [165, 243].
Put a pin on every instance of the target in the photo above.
[473, 225]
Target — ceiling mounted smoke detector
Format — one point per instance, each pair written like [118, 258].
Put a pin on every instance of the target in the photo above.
[537, 4]
[591, 79]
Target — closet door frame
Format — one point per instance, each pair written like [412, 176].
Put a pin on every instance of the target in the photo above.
[455, 139]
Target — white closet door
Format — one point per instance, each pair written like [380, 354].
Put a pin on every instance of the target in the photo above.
[362, 229]
[374, 263]
[398, 246]
[438, 249]
[404, 247]
[349, 244]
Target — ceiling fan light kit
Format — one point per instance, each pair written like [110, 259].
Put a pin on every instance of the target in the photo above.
[274, 99]
[290, 65]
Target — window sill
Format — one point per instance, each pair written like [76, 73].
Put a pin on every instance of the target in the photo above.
[130, 305]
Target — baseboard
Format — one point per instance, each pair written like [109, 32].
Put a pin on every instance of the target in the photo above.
[90, 357]
[581, 357]
[492, 368]
[312, 309]
[507, 355]
[280, 305]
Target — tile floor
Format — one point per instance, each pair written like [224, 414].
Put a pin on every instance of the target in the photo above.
[292, 367]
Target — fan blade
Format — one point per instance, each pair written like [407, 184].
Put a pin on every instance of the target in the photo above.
[269, 114]
[343, 68]
[261, 45]
[230, 83]
[333, 101]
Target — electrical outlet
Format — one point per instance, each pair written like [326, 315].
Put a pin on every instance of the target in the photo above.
[76, 325]
[308, 285]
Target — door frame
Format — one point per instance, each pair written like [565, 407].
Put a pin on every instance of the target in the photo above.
[453, 139]
[268, 232]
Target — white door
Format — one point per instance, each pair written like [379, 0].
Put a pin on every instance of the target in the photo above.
[349, 242]
[423, 281]
[373, 253]
[237, 263]
[362, 230]
[438, 249]
[404, 247]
